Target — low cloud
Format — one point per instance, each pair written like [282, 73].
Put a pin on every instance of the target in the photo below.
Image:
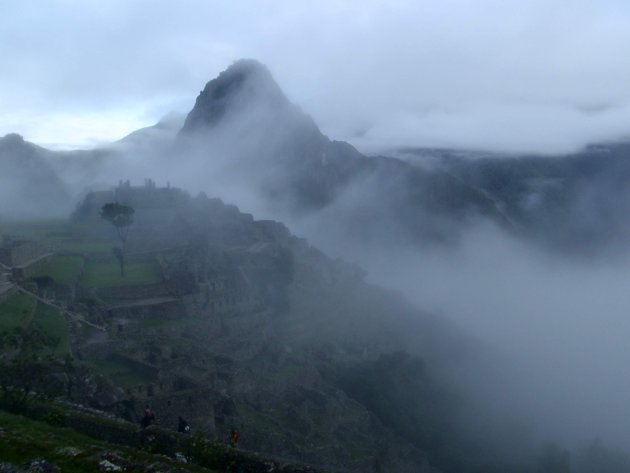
[541, 76]
[554, 329]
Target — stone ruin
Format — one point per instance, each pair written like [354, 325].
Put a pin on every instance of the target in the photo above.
[22, 255]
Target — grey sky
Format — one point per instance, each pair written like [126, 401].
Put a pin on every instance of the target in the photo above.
[541, 75]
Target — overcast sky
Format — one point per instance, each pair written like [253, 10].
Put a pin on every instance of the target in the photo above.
[535, 75]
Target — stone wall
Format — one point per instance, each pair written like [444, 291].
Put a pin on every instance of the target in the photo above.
[18, 252]
[26, 271]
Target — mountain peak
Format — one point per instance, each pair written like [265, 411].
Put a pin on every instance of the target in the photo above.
[246, 83]
[12, 139]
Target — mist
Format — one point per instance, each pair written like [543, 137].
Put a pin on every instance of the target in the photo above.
[544, 77]
[556, 326]
[545, 324]
[549, 327]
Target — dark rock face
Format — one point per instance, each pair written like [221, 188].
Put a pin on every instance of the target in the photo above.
[243, 84]
[296, 167]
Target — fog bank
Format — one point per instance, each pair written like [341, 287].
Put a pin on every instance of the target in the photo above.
[557, 327]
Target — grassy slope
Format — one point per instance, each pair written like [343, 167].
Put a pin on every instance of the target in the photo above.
[63, 269]
[23, 440]
[15, 311]
[123, 374]
[60, 235]
[53, 324]
[108, 275]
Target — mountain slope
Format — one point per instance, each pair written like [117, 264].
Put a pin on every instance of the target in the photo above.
[28, 181]
[576, 203]
[296, 167]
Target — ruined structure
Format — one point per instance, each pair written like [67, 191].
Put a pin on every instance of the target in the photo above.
[22, 255]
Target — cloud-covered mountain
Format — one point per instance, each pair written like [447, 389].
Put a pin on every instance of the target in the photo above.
[296, 167]
[247, 143]
[244, 140]
[29, 185]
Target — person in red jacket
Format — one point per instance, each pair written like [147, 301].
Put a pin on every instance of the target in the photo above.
[233, 437]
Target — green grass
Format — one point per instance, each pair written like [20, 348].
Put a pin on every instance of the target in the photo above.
[15, 311]
[60, 235]
[38, 229]
[62, 269]
[108, 275]
[123, 374]
[86, 246]
[24, 440]
[52, 323]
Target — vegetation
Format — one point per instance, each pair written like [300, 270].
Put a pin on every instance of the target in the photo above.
[107, 275]
[16, 311]
[123, 373]
[61, 235]
[25, 440]
[27, 367]
[398, 389]
[51, 322]
[62, 269]
[21, 314]
[121, 217]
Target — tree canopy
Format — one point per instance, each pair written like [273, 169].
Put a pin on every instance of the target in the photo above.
[119, 215]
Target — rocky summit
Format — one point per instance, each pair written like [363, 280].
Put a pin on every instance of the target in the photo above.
[245, 84]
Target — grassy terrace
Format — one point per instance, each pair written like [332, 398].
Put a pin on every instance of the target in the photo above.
[16, 311]
[24, 440]
[62, 269]
[108, 275]
[123, 373]
[22, 310]
[53, 324]
[61, 235]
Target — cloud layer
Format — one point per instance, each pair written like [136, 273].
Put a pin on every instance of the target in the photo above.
[541, 76]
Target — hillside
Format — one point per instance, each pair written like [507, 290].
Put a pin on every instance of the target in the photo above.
[235, 323]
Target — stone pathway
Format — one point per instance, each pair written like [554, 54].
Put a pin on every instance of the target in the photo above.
[72, 315]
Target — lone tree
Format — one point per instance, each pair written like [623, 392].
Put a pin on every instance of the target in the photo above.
[121, 217]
